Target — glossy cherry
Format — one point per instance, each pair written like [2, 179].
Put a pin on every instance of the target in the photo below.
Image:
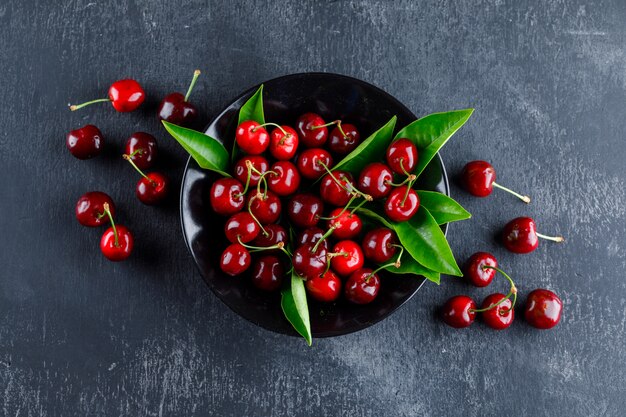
[309, 260]
[240, 169]
[379, 245]
[325, 288]
[475, 272]
[347, 257]
[142, 148]
[268, 273]
[266, 208]
[458, 311]
[336, 188]
[402, 204]
[343, 139]
[347, 225]
[235, 259]
[304, 210]
[241, 227]
[312, 130]
[176, 108]
[283, 143]
[86, 142]
[124, 95]
[227, 196]
[499, 317]
[117, 241]
[362, 286]
[402, 156]
[90, 209]
[375, 179]
[479, 178]
[284, 179]
[311, 235]
[520, 235]
[543, 309]
[152, 188]
[252, 138]
[311, 162]
[272, 235]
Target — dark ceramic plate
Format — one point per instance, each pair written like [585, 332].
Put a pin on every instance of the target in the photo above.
[285, 98]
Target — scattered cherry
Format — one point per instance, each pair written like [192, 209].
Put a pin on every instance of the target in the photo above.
[380, 245]
[475, 271]
[284, 179]
[266, 208]
[86, 142]
[283, 143]
[402, 204]
[543, 309]
[347, 225]
[402, 156]
[90, 209]
[336, 188]
[312, 130]
[116, 243]
[304, 210]
[375, 179]
[252, 138]
[343, 139]
[479, 178]
[176, 108]
[124, 95]
[501, 316]
[325, 287]
[142, 149]
[347, 257]
[227, 196]
[309, 260]
[241, 227]
[520, 235]
[152, 188]
[362, 286]
[312, 162]
[268, 273]
[458, 312]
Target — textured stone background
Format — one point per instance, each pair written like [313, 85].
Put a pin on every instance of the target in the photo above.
[80, 336]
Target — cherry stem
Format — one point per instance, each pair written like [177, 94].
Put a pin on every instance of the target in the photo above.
[196, 74]
[512, 292]
[408, 188]
[407, 173]
[558, 239]
[129, 159]
[254, 217]
[138, 151]
[107, 210]
[352, 190]
[330, 256]
[395, 264]
[334, 122]
[74, 107]
[524, 198]
[358, 206]
[324, 237]
[279, 245]
[410, 177]
[272, 124]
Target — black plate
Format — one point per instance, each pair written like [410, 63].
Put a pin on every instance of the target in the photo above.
[285, 98]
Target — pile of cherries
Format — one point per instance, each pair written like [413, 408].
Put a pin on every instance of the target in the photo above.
[321, 234]
[96, 208]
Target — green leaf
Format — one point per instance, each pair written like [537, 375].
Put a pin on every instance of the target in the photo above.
[442, 208]
[431, 132]
[206, 151]
[409, 265]
[295, 307]
[371, 149]
[251, 110]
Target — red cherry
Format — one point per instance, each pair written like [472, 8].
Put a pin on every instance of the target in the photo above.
[240, 170]
[252, 138]
[116, 249]
[362, 286]
[311, 162]
[309, 261]
[311, 235]
[227, 196]
[284, 179]
[402, 156]
[142, 148]
[520, 235]
[501, 316]
[479, 178]
[90, 209]
[266, 208]
[241, 227]
[474, 271]
[347, 257]
[268, 273]
[86, 142]
[333, 193]
[124, 95]
[344, 139]
[401, 206]
[235, 259]
[176, 108]
[458, 312]
[375, 180]
[304, 210]
[275, 234]
[347, 225]
[152, 189]
[378, 245]
[283, 143]
[311, 130]
[325, 288]
[543, 309]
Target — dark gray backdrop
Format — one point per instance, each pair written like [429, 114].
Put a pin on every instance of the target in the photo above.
[82, 336]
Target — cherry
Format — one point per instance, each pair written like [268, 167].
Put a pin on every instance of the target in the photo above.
[142, 149]
[116, 243]
[176, 108]
[266, 208]
[347, 225]
[235, 259]
[241, 227]
[479, 178]
[458, 312]
[475, 271]
[124, 95]
[520, 235]
[311, 235]
[362, 286]
[347, 257]
[304, 210]
[152, 188]
[499, 314]
[227, 196]
[283, 143]
[543, 309]
[336, 188]
[325, 287]
[90, 209]
[309, 260]
[86, 142]
[312, 130]
[240, 170]
[268, 273]
[252, 138]
[402, 204]
[375, 179]
[343, 139]
[379, 245]
[284, 179]
[274, 234]
[312, 163]
[402, 156]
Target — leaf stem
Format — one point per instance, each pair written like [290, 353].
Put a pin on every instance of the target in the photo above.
[196, 74]
[524, 198]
